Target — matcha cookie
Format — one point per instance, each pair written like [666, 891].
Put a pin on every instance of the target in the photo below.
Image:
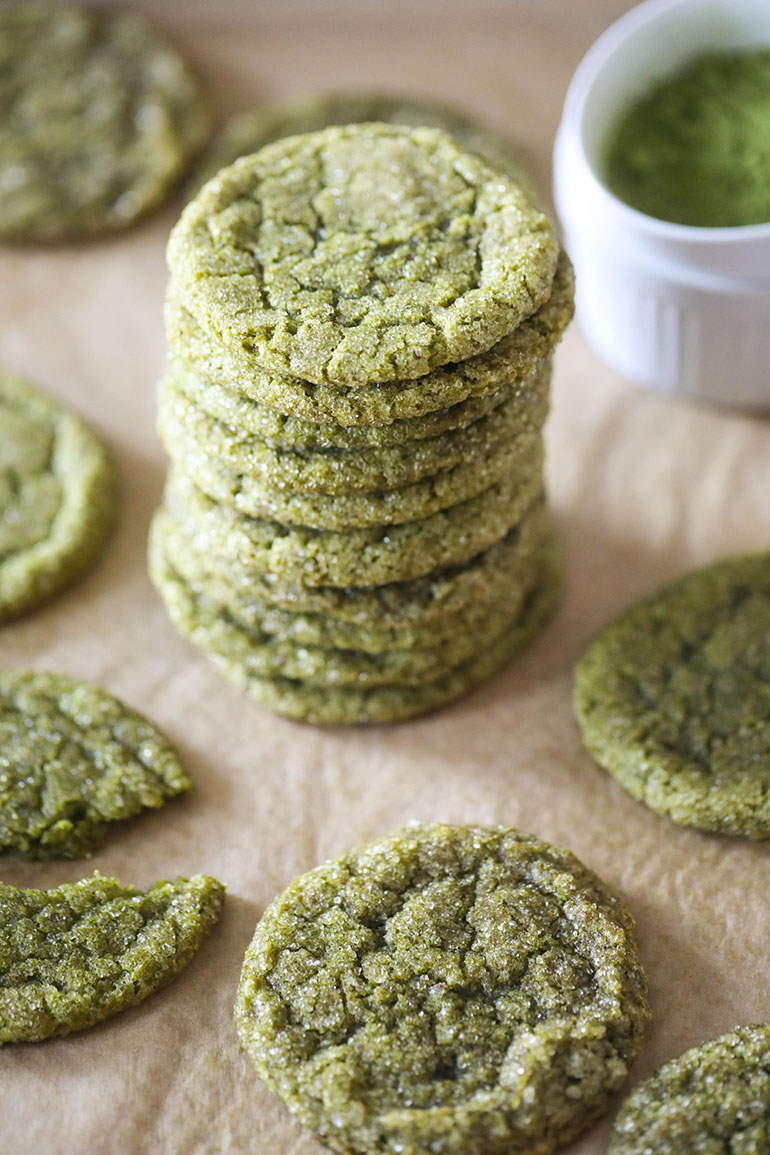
[191, 436]
[56, 497]
[248, 132]
[98, 118]
[673, 698]
[249, 494]
[279, 431]
[214, 627]
[74, 759]
[511, 360]
[307, 557]
[714, 1098]
[463, 990]
[361, 254]
[423, 625]
[352, 706]
[395, 607]
[78, 954]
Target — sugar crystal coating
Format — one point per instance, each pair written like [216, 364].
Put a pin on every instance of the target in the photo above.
[362, 253]
[461, 990]
[673, 698]
[714, 1098]
[73, 759]
[75, 955]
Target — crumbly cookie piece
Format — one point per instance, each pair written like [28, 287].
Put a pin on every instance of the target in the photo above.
[375, 624]
[292, 555]
[190, 435]
[99, 117]
[395, 607]
[673, 698]
[57, 497]
[509, 362]
[713, 1098]
[468, 990]
[361, 254]
[250, 131]
[354, 706]
[74, 759]
[78, 954]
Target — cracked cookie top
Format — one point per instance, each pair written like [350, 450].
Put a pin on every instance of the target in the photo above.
[362, 253]
[72, 760]
[673, 698]
[448, 988]
[77, 954]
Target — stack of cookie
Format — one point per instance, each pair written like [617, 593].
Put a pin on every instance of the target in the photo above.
[360, 323]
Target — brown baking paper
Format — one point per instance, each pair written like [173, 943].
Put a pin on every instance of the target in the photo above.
[642, 487]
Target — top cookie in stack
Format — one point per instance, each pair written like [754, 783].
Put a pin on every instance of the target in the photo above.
[360, 322]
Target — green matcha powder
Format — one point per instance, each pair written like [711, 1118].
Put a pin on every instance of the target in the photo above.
[695, 150]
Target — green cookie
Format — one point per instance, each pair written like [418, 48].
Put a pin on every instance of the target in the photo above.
[467, 990]
[387, 626]
[396, 608]
[248, 494]
[713, 1098]
[307, 557]
[673, 698]
[213, 627]
[248, 132]
[74, 759]
[78, 954]
[190, 436]
[346, 705]
[361, 254]
[98, 119]
[280, 431]
[508, 363]
[57, 497]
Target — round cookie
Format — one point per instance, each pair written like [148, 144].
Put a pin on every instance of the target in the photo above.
[190, 434]
[424, 625]
[713, 1098]
[508, 363]
[98, 119]
[75, 955]
[358, 557]
[463, 990]
[280, 431]
[213, 626]
[395, 607]
[352, 706]
[362, 253]
[359, 509]
[248, 132]
[57, 497]
[673, 698]
[74, 759]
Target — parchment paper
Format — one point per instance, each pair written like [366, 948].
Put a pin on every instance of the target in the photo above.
[643, 488]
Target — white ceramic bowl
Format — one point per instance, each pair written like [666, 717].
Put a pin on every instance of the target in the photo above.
[682, 309]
